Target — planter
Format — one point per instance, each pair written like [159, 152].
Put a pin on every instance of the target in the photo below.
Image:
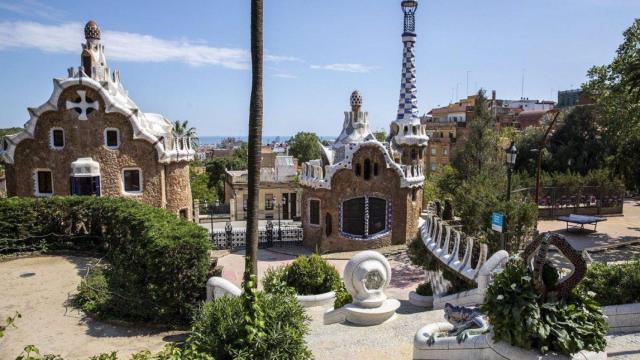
[480, 347]
[325, 299]
[623, 318]
[421, 300]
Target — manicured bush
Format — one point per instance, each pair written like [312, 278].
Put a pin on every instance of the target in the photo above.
[220, 324]
[157, 263]
[312, 275]
[308, 275]
[521, 317]
[424, 289]
[613, 284]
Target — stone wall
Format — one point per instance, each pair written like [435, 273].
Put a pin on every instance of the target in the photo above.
[85, 138]
[178, 189]
[346, 185]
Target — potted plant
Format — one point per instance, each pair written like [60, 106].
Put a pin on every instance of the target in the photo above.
[313, 279]
[423, 296]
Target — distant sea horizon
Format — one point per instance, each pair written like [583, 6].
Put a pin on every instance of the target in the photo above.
[266, 139]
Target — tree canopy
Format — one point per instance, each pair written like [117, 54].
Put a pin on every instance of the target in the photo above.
[304, 146]
[615, 89]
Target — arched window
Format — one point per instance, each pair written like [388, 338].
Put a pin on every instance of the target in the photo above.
[364, 217]
[414, 154]
[406, 129]
[367, 169]
[358, 169]
[375, 169]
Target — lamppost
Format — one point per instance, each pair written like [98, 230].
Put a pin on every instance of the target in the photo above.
[279, 205]
[512, 152]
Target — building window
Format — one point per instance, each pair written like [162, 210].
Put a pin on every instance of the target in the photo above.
[184, 213]
[433, 166]
[414, 154]
[314, 212]
[245, 201]
[375, 169]
[57, 138]
[414, 192]
[364, 217]
[367, 169]
[132, 181]
[433, 151]
[268, 201]
[445, 151]
[44, 183]
[328, 226]
[112, 138]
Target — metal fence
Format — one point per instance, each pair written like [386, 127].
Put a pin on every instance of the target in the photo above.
[268, 236]
[584, 200]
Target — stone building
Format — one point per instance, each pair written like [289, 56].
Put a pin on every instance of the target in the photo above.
[90, 138]
[280, 193]
[362, 193]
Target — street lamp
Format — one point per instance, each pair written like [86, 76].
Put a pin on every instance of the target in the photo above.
[512, 152]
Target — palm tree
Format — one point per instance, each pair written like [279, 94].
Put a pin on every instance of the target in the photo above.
[255, 142]
[181, 128]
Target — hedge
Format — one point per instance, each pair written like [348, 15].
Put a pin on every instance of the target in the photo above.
[158, 263]
[613, 284]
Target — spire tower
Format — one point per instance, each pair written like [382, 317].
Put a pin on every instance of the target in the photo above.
[407, 136]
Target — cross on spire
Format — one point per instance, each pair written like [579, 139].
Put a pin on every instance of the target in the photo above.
[83, 106]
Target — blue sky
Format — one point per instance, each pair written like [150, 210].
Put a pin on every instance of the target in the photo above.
[189, 59]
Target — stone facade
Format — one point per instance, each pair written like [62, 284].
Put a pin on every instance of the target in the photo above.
[83, 108]
[405, 204]
[364, 194]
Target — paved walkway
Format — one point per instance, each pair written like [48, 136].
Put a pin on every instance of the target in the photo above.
[616, 231]
[405, 277]
[40, 287]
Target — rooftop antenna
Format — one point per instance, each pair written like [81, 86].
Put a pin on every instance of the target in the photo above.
[468, 72]
[522, 84]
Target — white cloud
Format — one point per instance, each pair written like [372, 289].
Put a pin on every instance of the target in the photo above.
[353, 68]
[285, 76]
[31, 8]
[125, 46]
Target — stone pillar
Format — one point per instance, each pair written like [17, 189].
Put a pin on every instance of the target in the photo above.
[196, 211]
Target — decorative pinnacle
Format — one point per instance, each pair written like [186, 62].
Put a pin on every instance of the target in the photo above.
[91, 31]
[409, 8]
[356, 101]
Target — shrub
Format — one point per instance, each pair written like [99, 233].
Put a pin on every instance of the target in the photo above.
[419, 255]
[342, 297]
[275, 281]
[312, 275]
[220, 323]
[93, 294]
[158, 263]
[521, 317]
[424, 289]
[613, 284]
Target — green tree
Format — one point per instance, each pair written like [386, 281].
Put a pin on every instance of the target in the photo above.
[615, 89]
[304, 146]
[480, 152]
[200, 186]
[577, 145]
[380, 135]
[181, 128]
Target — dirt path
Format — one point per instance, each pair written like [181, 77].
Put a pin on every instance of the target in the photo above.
[40, 288]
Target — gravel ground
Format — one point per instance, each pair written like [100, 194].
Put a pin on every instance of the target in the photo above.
[39, 288]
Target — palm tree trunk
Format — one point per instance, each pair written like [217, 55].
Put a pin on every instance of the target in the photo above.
[255, 141]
